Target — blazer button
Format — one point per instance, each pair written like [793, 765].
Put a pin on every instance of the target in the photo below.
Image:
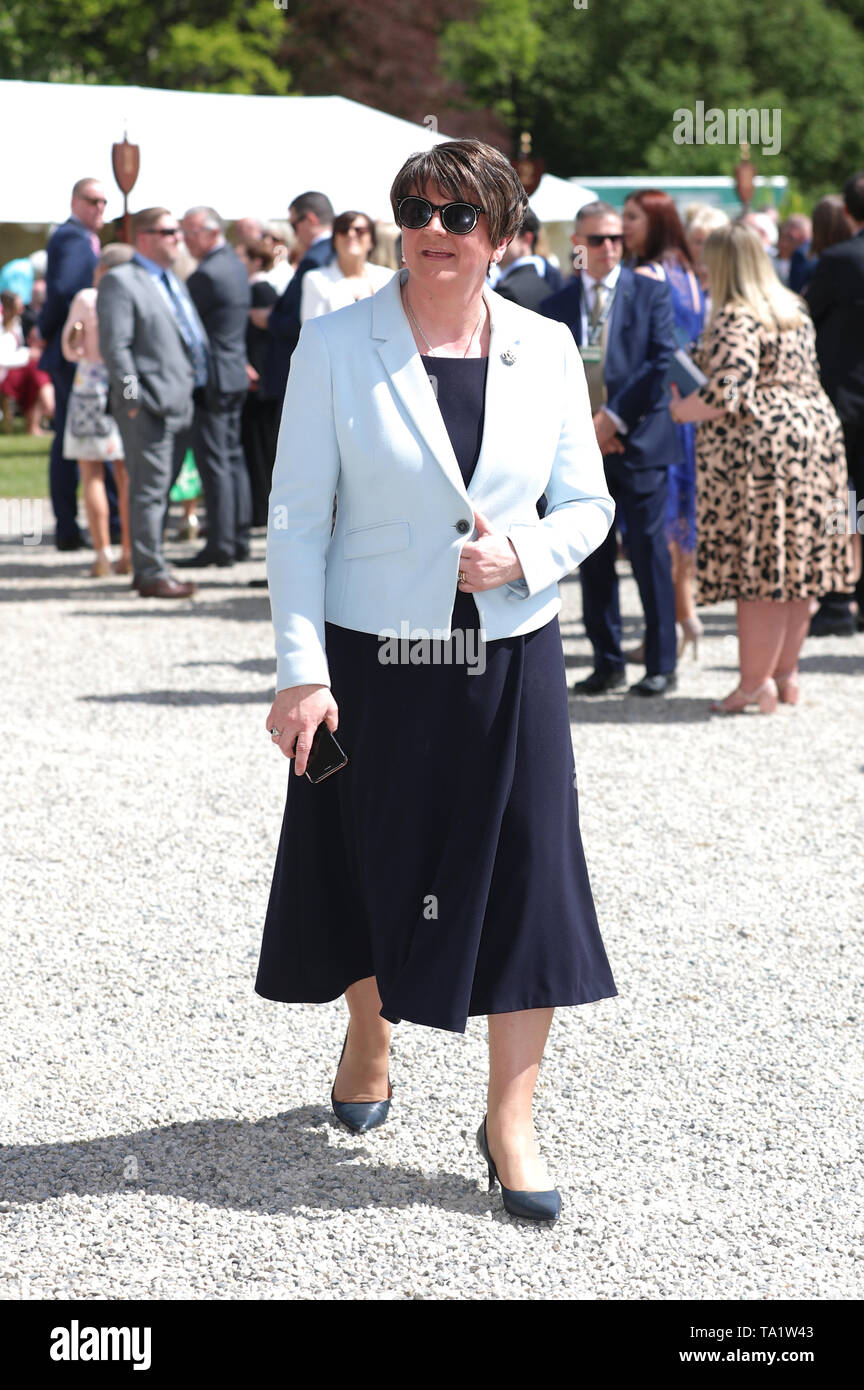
[462, 527]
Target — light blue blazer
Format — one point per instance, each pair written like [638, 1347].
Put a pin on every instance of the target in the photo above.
[360, 421]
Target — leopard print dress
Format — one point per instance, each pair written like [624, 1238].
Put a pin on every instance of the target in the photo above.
[769, 471]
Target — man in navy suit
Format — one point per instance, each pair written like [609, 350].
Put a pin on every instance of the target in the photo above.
[623, 325]
[73, 251]
[311, 216]
[836, 298]
[525, 277]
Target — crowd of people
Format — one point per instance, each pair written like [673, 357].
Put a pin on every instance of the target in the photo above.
[162, 367]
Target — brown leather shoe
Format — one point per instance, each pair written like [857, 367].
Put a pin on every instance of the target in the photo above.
[167, 588]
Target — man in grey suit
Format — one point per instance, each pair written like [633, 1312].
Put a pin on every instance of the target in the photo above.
[155, 348]
[220, 291]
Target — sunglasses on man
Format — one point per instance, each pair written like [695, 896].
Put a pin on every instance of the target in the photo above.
[596, 240]
[163, 231]
[95, 202]
[458, 218]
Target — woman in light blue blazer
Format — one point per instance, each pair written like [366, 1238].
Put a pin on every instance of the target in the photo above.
[439, 874]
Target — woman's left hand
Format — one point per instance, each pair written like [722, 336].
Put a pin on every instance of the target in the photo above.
[691, 410]
[489, 561]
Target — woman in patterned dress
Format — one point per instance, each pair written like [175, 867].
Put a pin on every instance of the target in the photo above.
[770, 463]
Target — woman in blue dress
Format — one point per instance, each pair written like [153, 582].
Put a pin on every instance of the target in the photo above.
[657, 246]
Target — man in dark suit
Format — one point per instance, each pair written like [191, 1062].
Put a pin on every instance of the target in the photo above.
[73, 251]
[220, 290]
[155, 348]
[623, 325]
[527, 278]
[311, 216]
[835, 294]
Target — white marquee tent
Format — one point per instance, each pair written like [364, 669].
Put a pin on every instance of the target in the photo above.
[243, 155]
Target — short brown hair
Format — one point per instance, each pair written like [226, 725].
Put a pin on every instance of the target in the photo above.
[347, 219]
[146, 219]
[258, 250]
[469, 170]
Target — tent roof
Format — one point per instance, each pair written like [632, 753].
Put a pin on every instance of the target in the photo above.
[243, 155]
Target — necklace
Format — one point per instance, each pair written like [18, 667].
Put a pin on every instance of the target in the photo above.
[426, 340]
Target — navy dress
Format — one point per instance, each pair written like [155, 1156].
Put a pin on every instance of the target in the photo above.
[445, 859]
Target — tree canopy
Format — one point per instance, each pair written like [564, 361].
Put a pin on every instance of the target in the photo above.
[597, 84]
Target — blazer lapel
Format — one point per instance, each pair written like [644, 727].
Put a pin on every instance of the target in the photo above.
[505, 398]
[411, 383]
[622, 307]
[400, 357]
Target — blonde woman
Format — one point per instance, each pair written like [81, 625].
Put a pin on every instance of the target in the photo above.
[700, 220]
[91, 434]
[769, 460]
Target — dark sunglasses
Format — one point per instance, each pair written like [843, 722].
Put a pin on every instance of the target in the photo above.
[595, 240]
[458, 218]
[163, 231]
[96, 202]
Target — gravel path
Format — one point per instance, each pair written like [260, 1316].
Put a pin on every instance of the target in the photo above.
[167, 1133]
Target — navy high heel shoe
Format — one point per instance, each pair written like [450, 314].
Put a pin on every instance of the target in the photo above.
[532, 1206]
[360, 1115]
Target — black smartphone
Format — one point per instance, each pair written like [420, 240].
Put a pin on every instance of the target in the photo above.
[325, 755]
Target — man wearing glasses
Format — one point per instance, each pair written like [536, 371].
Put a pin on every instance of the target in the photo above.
[73, 251]
[623, 325]
[157, 354]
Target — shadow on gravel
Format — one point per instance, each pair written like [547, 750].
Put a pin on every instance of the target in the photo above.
[181, 697]
[635, 709]
[98, 594]
[843, 665]
[271, 1165]
[72, 570]
[243, 608]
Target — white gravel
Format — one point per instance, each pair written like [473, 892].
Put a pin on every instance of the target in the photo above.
[167, 1133]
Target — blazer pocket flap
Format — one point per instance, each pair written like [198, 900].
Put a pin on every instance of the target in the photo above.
[376, 540]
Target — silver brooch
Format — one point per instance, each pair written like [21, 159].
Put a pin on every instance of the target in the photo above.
[508, 357]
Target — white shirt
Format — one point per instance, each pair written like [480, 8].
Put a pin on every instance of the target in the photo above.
[280, 276]
[326, 289]
[588, 283]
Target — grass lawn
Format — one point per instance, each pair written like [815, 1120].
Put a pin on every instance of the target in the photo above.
[24, 465]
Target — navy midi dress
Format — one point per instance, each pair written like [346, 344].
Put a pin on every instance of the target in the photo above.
[445, 859]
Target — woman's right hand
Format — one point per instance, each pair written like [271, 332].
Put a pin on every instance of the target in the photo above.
[296, 713]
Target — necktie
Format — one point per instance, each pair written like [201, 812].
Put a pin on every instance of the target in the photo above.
[96, 244]
[594, 370]
[188, 333]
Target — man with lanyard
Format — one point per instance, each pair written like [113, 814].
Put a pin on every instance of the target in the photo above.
[623, 325]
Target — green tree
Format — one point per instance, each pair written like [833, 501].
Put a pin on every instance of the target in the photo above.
[599, 87]
[198, 45]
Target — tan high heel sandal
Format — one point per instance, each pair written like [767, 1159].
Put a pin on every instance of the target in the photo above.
[764, 696]
[787, 687]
